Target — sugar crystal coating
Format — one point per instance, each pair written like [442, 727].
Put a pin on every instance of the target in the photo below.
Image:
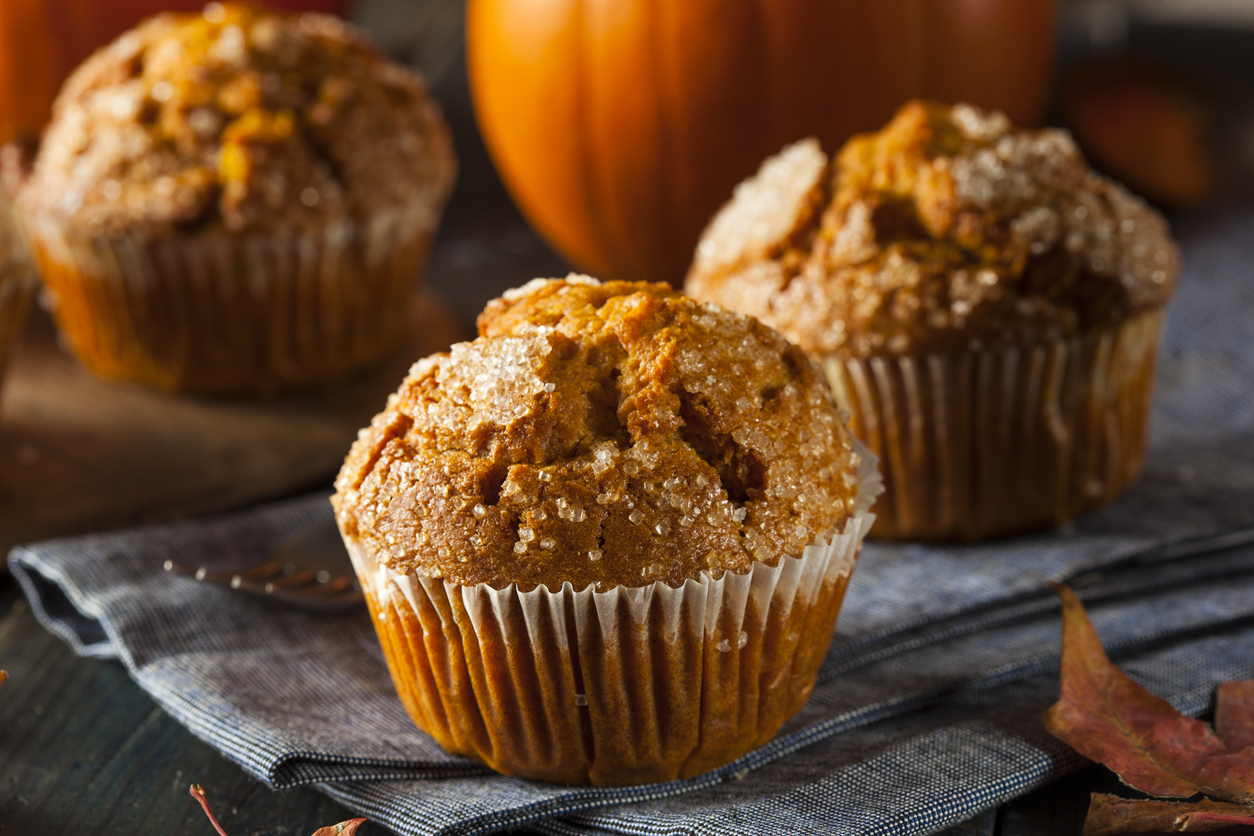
[947, 231]
[607, 434]
[240, 118]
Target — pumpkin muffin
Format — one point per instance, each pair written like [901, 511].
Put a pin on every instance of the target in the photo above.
[985, 306]
[236, 201]
[607, 541]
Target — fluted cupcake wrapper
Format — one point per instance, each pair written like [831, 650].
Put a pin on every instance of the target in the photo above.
[622, 686]
[217, 313]
[998, 442]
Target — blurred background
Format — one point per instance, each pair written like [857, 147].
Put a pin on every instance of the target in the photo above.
[1159, 93]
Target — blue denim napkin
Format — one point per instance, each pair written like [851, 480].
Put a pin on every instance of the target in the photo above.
[928, 706]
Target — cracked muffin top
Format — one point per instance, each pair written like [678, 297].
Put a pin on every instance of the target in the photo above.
[608, 434]
[243, 119]
[947, 231]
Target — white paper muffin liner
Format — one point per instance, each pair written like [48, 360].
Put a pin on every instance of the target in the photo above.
[998, 442]
[221, 313]
[627, 685]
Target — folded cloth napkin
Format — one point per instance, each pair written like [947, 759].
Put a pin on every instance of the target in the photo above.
[927, 709]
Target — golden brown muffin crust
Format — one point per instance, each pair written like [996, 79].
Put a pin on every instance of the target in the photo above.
[239, 118]
[947, 231]
[609, 434]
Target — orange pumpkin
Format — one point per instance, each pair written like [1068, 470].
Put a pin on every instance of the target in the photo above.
[620, 126]
[42, 41]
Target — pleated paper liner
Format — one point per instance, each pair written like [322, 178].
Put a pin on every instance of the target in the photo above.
[220, 314]
[999, 442]
[624, 686]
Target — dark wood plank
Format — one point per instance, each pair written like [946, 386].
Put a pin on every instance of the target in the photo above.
[84, 750]
[985, 824]
[1058, 809]
[79, 453]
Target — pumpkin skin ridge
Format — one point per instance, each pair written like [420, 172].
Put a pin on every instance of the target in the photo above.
[844, 66]
[614, 186]
[668, 133]
[583, 118]
[484, 46]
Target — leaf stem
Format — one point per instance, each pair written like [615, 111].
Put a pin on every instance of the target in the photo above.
[199, 794]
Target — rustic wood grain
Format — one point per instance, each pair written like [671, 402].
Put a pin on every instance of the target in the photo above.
[84, 750]
[1059, 808]
[985, 824]
[79, 453]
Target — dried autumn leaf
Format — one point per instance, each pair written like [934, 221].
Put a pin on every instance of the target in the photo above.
[1107, 717]
[344, 828]
[1109, 816]
[4, 675]
[1234, 714]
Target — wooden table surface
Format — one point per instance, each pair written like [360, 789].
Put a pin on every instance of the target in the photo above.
[82, 748]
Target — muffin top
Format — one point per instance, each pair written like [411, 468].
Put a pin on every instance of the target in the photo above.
[947, 231]
[613, 434]
[242, 119]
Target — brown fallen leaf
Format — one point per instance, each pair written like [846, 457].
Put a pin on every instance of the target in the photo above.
[1107, 717]
[4, 675]
[1110, 815]
[344, 828]
[1234, 714]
